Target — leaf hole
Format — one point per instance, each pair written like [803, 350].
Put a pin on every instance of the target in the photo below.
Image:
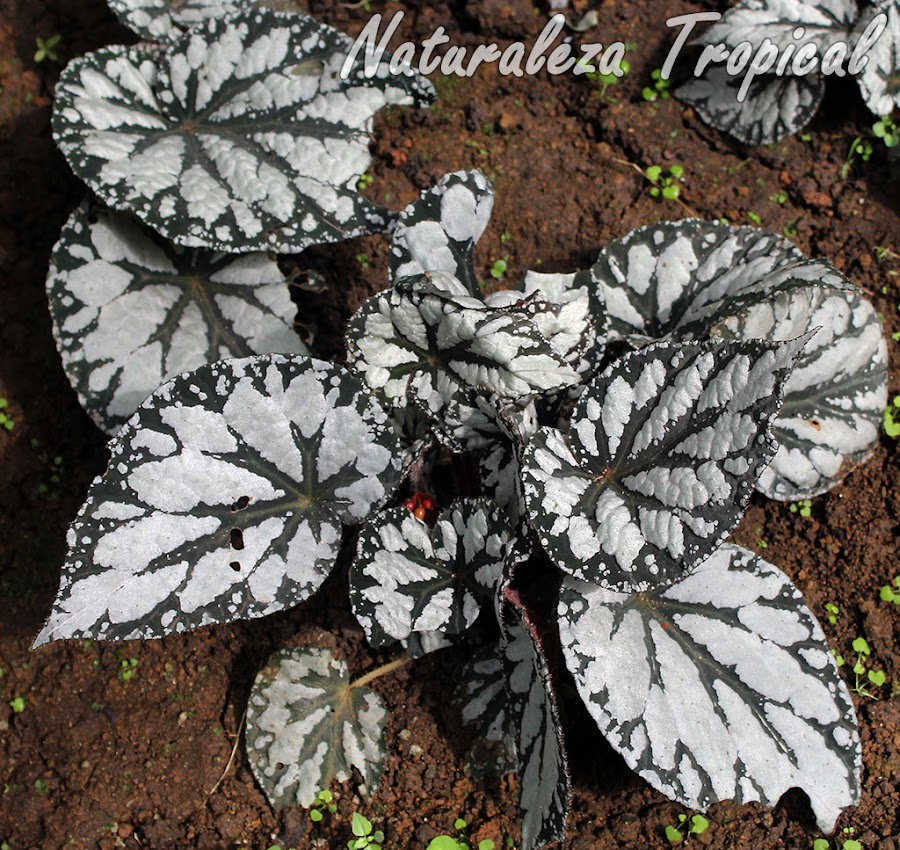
[279, 765]
[236, 566]
[240, 504]
[237, 538]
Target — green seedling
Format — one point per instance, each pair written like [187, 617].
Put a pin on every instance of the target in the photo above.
[780, 197]
[363, 260]
[40, 786]
[324, 803]
[885, 128]
[665, 185]
[365, 181]
[18, 704]
[803, 507]
[460, 841]
[127, 669]
[790, 229]
[607, 81]
[6, 421]
[46, 48]
[505, 237]
[892, 418]
[658, 89]
[754, 217]
[362, 828]
[498, 269]
[687, 826]
[845, 843]
[864, 675]
[891, 594]
[859, 148]
[833, 612]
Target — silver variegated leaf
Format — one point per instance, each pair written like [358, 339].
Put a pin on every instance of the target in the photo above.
[773, 107]
[483, 703]
[753, 21]
[499, 468]
[834, 399]
[428, 340]
[408, 579]
[879, 80]
[224, 499]
[692, 278]
[664, 276]
[165, 20]
[568, 311]
[130, 310]
[241, 136]
[438, 231]
[544, 784]
[720, 687]
[308, 725]
[659, 462]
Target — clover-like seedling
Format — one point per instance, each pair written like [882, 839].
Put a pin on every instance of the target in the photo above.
[658, 88]
[865, 676]
[665, 185]
[324, 803]
[886, 129]
[6, 420]
[366, 834]
[892, 418]
[686, 827]
[47, 48]
[891, 592]
[832, 611]
[803, 508]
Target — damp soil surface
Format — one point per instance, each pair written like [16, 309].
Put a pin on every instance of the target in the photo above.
[138, 744]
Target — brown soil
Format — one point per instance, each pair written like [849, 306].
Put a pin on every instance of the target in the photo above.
[97, 762]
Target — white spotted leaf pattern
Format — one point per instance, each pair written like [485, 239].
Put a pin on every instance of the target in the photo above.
[879, 80]
[165, 20]
[130, 310]
[409, 579]
[224, 499]
[308, 725]
[720, 687]
[240, 135]
[661, 456]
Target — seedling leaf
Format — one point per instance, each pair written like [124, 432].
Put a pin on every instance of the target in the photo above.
[241, 135]
[659, 461]
[224, 499]
[307, 725]
[719, 687]
[131, 310]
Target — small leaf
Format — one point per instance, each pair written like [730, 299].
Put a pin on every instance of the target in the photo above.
[861, 646]
[699, 824]
[360, 825]
[438, 231]
[216, 141]
[719, 687]
[308, 725]
[224, 499]
[408, 579]
[877, 677]
[653, 172]
[673, 835]
[659, 461]
[131, 310]
[445, 842]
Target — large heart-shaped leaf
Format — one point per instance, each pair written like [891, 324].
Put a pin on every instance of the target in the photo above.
[660, 459]
[720, 687]
[438, 231]
[131, 310]
[407, 578]
[879, 80]
[773, 107]
[427, 340]
[544, 784]
[224, 499]
[243, 135]
[307, 725]
[692, 278]
[165, 20]
[834, 399]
